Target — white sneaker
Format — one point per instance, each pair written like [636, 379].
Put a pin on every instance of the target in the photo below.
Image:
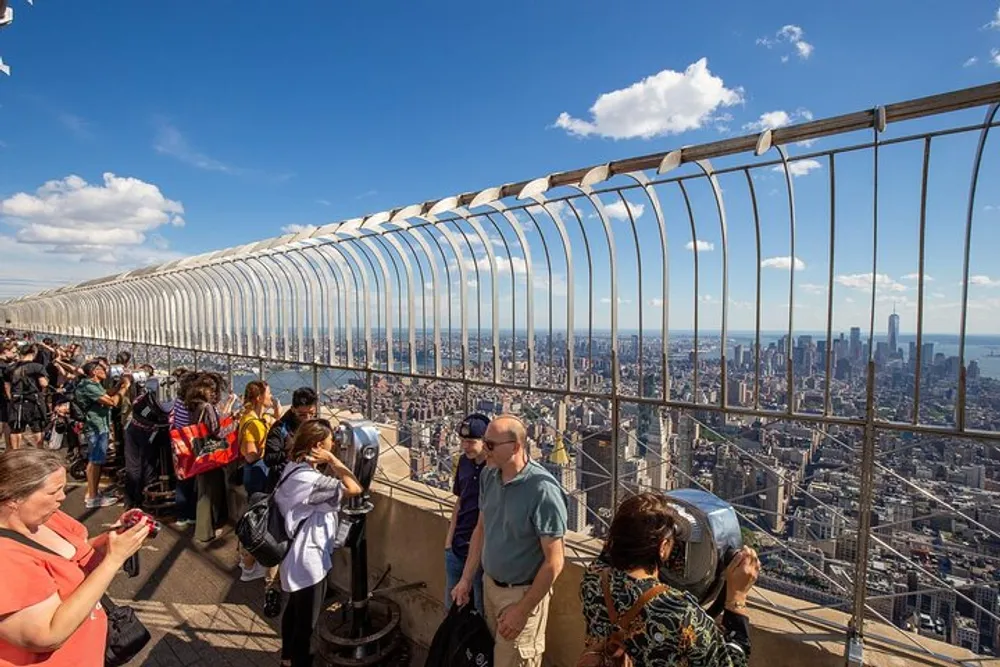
[254, 573]
[99, 501]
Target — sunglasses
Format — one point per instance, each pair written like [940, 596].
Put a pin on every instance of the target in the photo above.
[490, 445]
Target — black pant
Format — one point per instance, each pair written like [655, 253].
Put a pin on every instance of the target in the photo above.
[299, 622]
[142, 458]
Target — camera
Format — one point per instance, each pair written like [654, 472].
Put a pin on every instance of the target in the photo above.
[137, 516]
[117, 372]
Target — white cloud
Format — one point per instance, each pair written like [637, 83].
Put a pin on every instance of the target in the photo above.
[770, 120]
[798, 167]
[656, 303]
[916, 276]
[616, 210]
[170, 141]
[995, 23]
[863, 281]
[324, 202]
[984, 281]
[782, 263]
[789, 34]
[71, 215]
[665, 103]
[607, 299]
[848, 299]
[995, 57]
[703, 246]
[813, 288]
[295, 229]
[970, 62]
[938, 295]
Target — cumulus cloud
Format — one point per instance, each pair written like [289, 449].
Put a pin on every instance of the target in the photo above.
[789, 35]
[617, 210]
[771, 120]
[70, 215]
[782, 263]
[916, 276]
[703, 246]
[863, 281]
[984, 281]
[799, 167]
[970, 62]
[995, 57]
[665, 103]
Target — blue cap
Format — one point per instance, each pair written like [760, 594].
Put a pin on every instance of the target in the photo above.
[474, 426]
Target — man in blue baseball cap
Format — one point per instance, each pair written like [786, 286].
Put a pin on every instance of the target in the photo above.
[466, 512]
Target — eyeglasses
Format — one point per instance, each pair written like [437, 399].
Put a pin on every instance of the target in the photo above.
[490, 445]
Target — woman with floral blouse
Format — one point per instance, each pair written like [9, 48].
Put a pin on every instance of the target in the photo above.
[671, 629]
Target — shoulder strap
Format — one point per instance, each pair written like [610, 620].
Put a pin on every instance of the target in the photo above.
[626, 620]
[106, 602]
[26, 541]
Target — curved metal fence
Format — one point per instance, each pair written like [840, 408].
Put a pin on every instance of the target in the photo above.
[709, 316]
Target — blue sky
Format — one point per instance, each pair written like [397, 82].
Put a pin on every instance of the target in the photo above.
[225, 121]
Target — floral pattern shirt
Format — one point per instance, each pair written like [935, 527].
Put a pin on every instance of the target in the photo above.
[672, 629]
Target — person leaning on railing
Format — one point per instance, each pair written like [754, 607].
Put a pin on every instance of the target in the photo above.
[50, 611]
[671, 628]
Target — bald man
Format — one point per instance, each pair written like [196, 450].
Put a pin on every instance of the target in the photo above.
[518, 541]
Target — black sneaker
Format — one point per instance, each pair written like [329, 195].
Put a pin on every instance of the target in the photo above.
[272, 603]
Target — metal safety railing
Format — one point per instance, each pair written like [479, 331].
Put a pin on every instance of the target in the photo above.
[720, 364]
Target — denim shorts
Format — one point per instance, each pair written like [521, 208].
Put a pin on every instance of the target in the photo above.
[97, 448]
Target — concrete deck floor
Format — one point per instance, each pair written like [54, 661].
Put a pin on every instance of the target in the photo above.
[189, 596]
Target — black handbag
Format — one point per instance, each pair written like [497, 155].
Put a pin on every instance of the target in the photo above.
[126, 633]
[261, 529]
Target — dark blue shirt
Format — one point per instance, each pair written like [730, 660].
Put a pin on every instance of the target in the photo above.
[466, 487]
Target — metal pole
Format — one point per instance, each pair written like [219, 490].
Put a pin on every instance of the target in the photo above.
[855, 632]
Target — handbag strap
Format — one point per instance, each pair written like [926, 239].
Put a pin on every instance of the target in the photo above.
[302, 523]
[106, 601]
[625, 621]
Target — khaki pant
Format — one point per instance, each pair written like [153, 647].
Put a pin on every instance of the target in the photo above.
[527, 649]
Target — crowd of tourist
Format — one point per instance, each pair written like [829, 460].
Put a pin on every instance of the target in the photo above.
[503, 552]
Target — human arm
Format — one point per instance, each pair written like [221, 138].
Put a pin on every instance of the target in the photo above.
[454, 510]
[46, 625]
[514, 617]
[6, 391]
[451, 523]
[460, 593]
[115, 399]
[336, 468]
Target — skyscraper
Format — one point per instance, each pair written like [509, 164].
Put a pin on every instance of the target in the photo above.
[688, 431]
[595, 467]
[893, 333]
[855, 343]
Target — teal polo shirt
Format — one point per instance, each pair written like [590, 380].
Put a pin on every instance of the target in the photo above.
[515, 516]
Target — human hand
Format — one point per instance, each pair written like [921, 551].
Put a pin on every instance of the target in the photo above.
[742, 572]
[462, 591]
[122, 545]
[511, 621]
[320, 455]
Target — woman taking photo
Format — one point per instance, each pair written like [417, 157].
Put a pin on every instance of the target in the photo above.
[671, 629]
[50, 612]
[308, 495]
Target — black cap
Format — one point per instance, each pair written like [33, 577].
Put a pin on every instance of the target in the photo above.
[474, 426]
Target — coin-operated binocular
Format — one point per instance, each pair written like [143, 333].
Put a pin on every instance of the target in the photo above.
[357, 445]
[366, 631]
[698, 564]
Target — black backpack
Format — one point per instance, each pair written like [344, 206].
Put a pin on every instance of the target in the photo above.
[462, 640]
[261, 529]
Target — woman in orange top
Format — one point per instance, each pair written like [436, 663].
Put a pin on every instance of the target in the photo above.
[50, 612]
